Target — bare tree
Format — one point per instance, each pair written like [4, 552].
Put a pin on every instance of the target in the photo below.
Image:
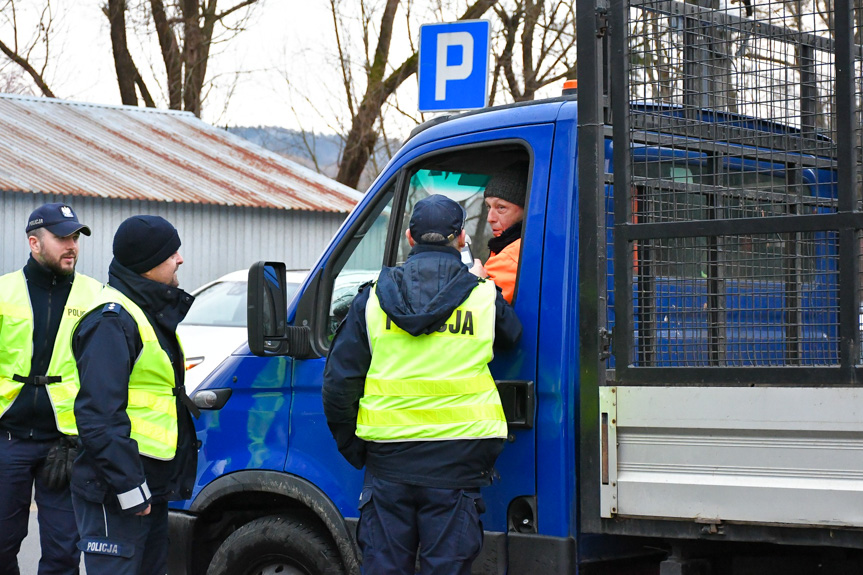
[31, 55]
[128, 76]
[542, 33]
[187, 31]
[382, 80]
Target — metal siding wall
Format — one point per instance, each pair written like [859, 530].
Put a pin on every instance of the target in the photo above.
[216, 239]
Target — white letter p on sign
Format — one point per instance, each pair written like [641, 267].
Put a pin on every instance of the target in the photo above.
[443, 71]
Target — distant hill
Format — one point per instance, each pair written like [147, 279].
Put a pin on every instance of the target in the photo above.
[316, 151]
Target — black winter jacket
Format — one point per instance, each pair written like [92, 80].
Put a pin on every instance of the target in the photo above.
[106, 345]
[419, 297]
[31, 415]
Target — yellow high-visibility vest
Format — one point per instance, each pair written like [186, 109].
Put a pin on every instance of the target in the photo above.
[16, 343]
[435, 386]
[152, 407]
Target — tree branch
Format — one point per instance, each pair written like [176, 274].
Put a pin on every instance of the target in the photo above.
[382, 52]
[346, 79]
[170, 54]
[230, 11]
[191, 55]
[505, 61]
[477, 9]
[46, 34]
[142, 88]
[25, 65]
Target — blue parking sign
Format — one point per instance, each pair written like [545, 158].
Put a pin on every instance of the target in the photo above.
[454, 65]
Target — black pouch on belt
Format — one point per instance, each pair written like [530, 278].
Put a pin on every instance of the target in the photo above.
[57, 469]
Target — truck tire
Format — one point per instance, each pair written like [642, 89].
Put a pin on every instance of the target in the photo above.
[273, 545]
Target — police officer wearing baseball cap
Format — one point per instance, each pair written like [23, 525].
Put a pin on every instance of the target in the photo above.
[408, 395]
[138, 442]
[39, 306]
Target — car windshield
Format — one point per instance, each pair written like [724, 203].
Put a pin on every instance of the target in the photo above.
[223, 304]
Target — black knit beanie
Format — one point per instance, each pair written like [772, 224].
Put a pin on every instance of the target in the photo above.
[143, 242]
[509, 184]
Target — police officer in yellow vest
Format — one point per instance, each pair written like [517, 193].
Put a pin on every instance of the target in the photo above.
[407, 393]
[138, 442]
[39, 305]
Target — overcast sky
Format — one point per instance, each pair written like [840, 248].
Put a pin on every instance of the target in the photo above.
[285, 40]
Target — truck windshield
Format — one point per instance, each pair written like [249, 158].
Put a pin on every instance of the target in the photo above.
[462, 177]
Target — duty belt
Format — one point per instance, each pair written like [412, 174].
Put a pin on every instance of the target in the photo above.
[37, 379]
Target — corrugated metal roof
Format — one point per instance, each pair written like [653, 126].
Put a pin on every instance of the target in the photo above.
[126, 152]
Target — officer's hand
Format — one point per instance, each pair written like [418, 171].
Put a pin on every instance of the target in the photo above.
[144, 512]
[478, 269]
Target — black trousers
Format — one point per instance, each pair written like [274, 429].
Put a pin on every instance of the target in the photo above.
[114, 543]
[397, 521]
[20, 463]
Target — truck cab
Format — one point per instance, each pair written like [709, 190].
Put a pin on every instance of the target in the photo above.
[269, 441]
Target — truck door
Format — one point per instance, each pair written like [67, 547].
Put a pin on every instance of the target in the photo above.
[374, 235]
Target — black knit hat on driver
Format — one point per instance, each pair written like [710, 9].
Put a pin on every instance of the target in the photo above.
[509, 184]
[143, 242]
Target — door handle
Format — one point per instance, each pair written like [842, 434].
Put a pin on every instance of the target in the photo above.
[519, 403]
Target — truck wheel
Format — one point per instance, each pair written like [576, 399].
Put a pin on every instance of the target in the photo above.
[273, 545]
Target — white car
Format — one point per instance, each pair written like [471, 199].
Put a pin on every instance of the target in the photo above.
[216, 324]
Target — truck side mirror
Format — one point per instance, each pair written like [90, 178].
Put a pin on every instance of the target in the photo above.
[267, 309]
[268, 330]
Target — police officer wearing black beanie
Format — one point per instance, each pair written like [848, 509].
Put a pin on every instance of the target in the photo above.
[137, 438]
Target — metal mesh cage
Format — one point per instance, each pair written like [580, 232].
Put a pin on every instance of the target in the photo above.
[738, 86]
[748, 300]
[739, 227]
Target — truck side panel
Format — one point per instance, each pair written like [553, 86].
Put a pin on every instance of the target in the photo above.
[751, 454]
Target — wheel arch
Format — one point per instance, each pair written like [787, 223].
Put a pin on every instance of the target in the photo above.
[222, 496]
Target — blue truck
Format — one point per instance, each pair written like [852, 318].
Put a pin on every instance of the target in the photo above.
[686, 396]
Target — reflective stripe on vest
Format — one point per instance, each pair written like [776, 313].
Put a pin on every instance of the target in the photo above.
[152, 407]
[434, 386]
[16, 341]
